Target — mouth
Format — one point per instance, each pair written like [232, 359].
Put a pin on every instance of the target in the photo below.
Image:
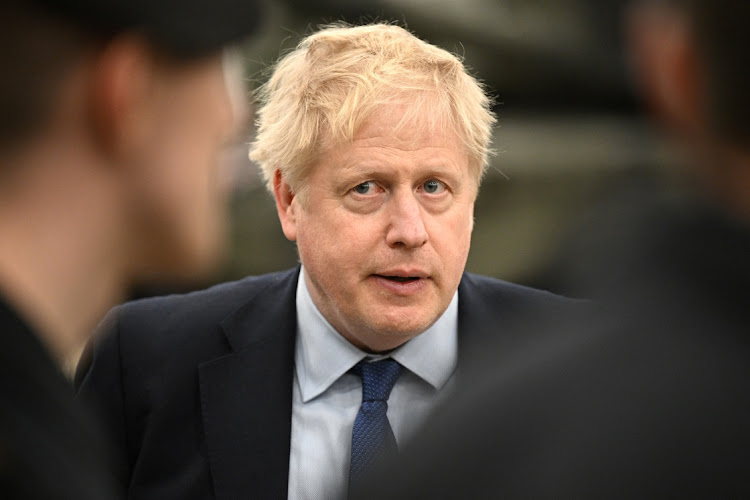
[400, 279]
[402, 282]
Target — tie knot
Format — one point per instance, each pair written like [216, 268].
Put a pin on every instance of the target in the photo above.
[378, 378]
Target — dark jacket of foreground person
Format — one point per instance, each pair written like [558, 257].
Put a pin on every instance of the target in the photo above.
[647, 398]
[49, 446]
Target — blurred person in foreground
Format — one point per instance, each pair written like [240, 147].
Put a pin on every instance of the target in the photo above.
[112, 118]
[373, 144]
[648, 398]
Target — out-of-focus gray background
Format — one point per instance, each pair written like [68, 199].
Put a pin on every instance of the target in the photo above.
[569, 126]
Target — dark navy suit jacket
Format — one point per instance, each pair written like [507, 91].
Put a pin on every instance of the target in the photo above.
[197, 388]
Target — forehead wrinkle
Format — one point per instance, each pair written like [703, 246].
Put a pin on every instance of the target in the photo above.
[395, 164]
[435, 146]
[405, 138]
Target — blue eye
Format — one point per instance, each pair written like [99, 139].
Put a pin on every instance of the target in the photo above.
[432, 186]
[364, 188]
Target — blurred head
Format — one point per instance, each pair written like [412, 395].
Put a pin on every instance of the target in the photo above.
[708, 43]
[139, 103]
[690, 58]
[374, 143]
[191, 111]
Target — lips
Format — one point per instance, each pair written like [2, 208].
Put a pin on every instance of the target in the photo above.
[402, 275]
[399, 279]
[402, 282]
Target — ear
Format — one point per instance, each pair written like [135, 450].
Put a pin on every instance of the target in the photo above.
[286, 205]
[663, 57]
[120, 86]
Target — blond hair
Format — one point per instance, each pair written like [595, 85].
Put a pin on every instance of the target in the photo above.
[322, 92]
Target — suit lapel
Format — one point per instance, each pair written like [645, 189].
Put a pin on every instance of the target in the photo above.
[246, 396]
[474, 315]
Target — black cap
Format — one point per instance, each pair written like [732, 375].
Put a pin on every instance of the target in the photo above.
[185, 27]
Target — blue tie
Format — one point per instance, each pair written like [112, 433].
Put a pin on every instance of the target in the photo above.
[372, 436]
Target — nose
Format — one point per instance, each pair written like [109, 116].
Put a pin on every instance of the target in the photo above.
[406, 228]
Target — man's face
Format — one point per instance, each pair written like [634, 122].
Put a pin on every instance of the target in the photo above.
[385, 229]
[181, 204]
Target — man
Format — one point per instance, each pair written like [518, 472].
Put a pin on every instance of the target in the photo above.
[112, 117]
[373, 143]
[649, 397]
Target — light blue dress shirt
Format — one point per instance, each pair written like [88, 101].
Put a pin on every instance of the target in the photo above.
[326, 398]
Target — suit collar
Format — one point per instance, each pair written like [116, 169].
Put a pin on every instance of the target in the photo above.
[246, 395]
[433, 354]
[322, 355]
[258, 319]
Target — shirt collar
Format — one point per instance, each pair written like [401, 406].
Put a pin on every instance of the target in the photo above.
[322, 355]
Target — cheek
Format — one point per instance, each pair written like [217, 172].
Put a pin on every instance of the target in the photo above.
[337, 239]
[181, 192]
[187, 177]
[190, 147]
[453, 233]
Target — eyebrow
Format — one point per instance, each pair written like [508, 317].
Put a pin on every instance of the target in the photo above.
[348, 175]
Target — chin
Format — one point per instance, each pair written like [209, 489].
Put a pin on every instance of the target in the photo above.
[410, 320]
[383, 342]
[403, 330]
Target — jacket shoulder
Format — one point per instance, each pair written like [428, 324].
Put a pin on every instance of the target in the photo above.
[187, 326]
[210, 305]
[493, 290]
[495, 315]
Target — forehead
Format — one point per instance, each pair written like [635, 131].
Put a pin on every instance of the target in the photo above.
[388, 142]
[400, 129]
[403, 124]
[395, 141]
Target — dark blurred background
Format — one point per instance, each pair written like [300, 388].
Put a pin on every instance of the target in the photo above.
[570, 129]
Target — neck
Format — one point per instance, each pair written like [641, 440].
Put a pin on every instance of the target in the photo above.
[60, 262]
